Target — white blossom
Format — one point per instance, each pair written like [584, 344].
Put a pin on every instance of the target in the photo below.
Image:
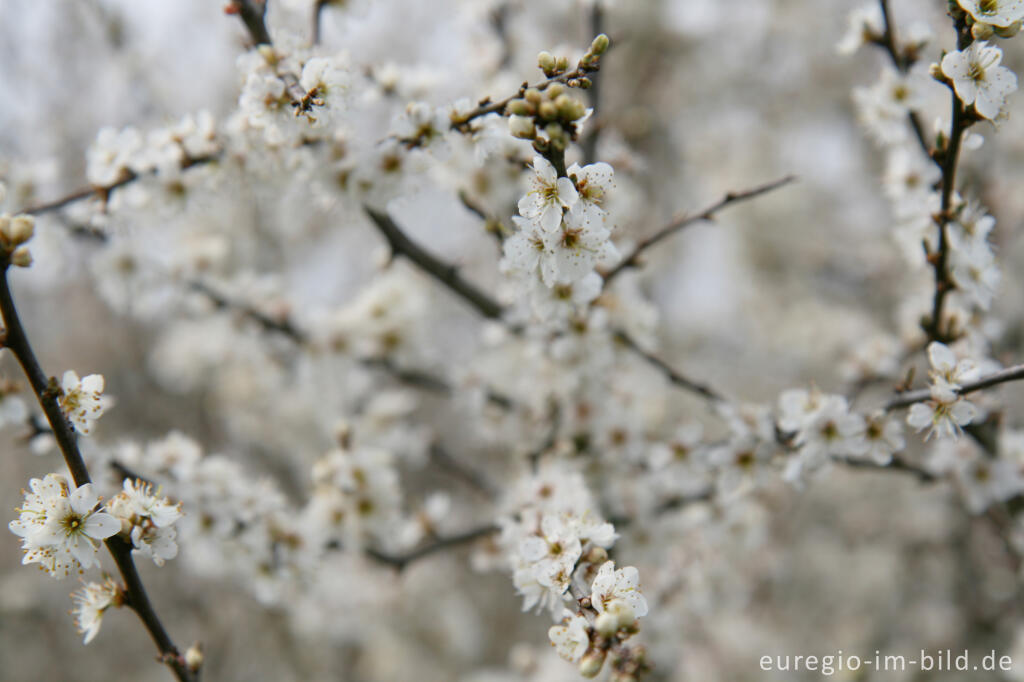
[91, 602]
[81, 400]
[548, 197]
[611, 583]
[979, 79]
[570, 638]
[60, 527]
[994, 12]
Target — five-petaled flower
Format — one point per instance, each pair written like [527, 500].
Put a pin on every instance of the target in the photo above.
[60, 527]
[81, 400]
[978, 79]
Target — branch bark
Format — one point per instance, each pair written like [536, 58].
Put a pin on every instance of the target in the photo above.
[632, 260]
[16, 340]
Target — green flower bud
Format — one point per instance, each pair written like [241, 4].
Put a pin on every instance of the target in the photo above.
[519, 107]
[546, 62]
[600, 45]
[591, 664]
[1008, 31]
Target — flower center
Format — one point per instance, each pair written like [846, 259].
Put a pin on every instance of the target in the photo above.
[976, 72]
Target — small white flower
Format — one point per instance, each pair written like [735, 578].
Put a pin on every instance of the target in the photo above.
[978, 78]
[947, 370]
[554, 552]
[884, 436]
[975, 273]
[548, 196]
[91, 602]
[570, 639]
[994, 12]
[150, 517]
[60, 527]
[624, 584]
[592, 184]
[944, 418]
[864, 24]
[81, 400]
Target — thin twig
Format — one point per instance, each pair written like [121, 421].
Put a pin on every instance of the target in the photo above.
[318, 13]
[446, 274]
[16, 340]
[632, 260]
[589, 143]
[896, 464]
[475, 479]
[1001, 377]
[252, 13]
[104, 191]
[400, 561]
[282, 326]
[460, 122]
[671, 374]
[902, 60]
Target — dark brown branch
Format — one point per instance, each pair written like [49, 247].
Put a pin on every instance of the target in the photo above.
[318, 14]
[1001, 377]
[588, 146]
[475, 479]
[896, 464]
[282, 326]
[632, 260]
[252, 12]
[46, 391]
[444, 273]
[902, 60]
[939, 259]
[104, 192]
[486, 106]
[671, 374]
[400, 561]
[448, 275]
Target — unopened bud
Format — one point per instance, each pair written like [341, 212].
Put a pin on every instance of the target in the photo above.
[19, 229]
[546, 62]
[194, 657]
[547, 111]
[935, 71]
[597, 555]
[981, 31]
[533, 96]
[557, 136]
[606, 624]
[622, 612]
[518, 107]
[554, 90]
[21, 257]
[562, 64]
[569, 109]
[268, 53]
[522, 127]
[1008, 31]
[600, 45]
[592, 663]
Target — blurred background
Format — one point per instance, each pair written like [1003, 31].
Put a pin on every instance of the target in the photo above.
[697, 98]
